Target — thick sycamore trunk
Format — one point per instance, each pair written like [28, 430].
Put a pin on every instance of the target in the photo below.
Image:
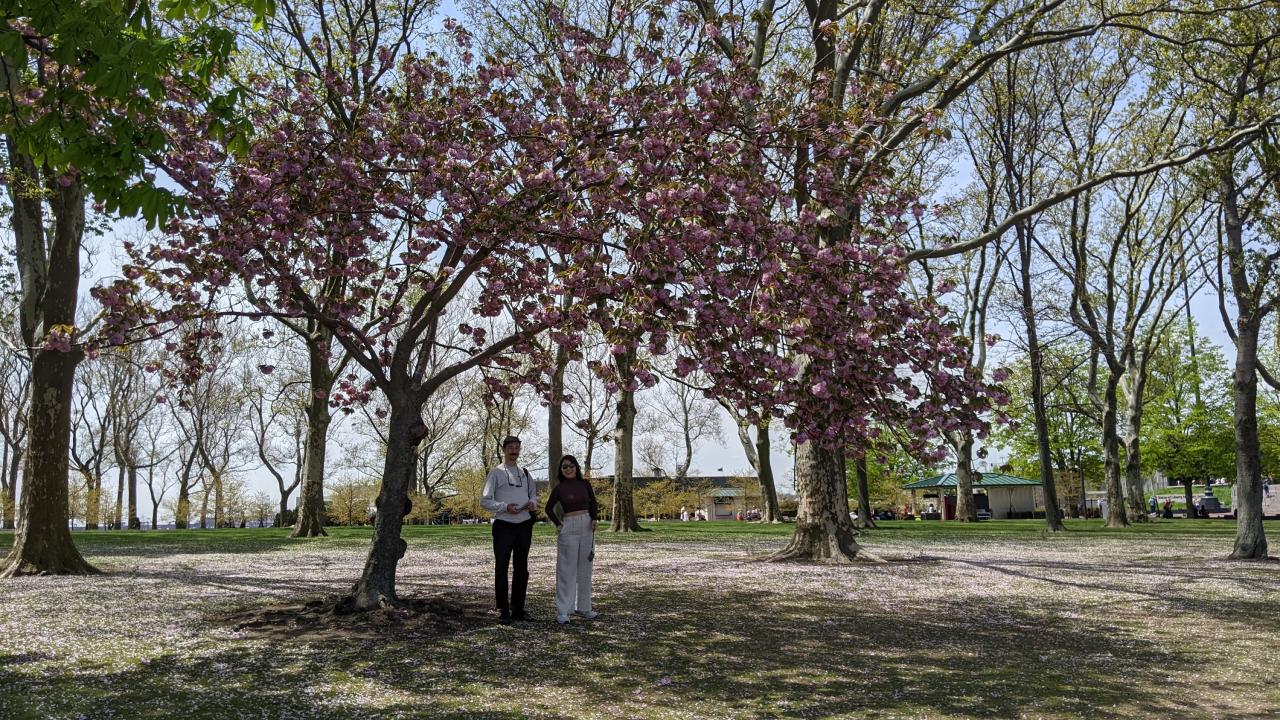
[43, 544]
[50, 275]
[1251, 539]
[823, 531]
[966, 509]
[377, 585]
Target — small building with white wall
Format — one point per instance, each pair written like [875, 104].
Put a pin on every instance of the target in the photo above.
[1004, 497]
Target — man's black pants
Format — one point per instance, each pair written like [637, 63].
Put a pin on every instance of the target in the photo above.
[511, 539]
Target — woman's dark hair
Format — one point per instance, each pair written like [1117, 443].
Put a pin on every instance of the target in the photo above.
[577, 468]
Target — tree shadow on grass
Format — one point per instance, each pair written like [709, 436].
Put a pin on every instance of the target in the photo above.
[656, 650]
[1178, 580]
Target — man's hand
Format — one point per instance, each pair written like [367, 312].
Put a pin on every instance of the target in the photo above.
[531, 505]
[513, 508]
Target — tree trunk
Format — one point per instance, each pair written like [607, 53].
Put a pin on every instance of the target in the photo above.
[92, 501]
[310, 522]
[624, 513]
[43, 545]
[1251, 539]
[823, 531]
[134, 522]
[966, 510]
[555, 418]
[1190, 495]
[586, 459]
[15, 469]
[1136, 492]
[1138, 512]
[182, 511]
[50, 276]
[11, 491]
[768, 489]
[1116, 515]
[219, 502]
[865, 521]
[117, 519]
[1052, 514]
[204, 508]
[377, 585]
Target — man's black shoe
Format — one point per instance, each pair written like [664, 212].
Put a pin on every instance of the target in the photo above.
[522, 616]
[504, 617]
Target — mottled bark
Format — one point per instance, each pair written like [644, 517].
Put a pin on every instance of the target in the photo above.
[823, 531]
[43, 544]
[966, 509]
[50, 277]
[758, 456]
[1116, 515]
[1251, 538]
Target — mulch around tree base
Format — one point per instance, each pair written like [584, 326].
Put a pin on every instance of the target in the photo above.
[328, 618]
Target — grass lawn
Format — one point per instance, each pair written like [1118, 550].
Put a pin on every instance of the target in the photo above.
[995, 620]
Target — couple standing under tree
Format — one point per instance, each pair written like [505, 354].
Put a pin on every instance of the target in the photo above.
[512, 496]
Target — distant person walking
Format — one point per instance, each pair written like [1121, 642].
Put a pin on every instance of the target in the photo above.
[510, 494]
[575, 540]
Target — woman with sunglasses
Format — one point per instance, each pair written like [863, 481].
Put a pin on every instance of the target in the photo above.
[575, 540]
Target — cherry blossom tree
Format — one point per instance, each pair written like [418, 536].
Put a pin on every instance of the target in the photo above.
[458, 177]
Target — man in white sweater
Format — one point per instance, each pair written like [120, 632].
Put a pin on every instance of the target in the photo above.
[510, 494]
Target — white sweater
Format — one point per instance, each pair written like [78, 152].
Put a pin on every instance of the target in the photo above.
[505, 485]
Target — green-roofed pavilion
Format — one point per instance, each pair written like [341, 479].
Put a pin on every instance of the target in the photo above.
[983, 480]
[1002, 496]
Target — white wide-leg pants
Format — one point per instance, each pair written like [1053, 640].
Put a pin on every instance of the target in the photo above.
[574, 546]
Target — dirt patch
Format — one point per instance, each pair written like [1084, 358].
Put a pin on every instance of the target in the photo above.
[328, 619]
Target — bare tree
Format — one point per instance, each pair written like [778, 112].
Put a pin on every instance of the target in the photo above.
[680, 415]
[278, 427]
[91, 437]
[591, 412]
[14, 396]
